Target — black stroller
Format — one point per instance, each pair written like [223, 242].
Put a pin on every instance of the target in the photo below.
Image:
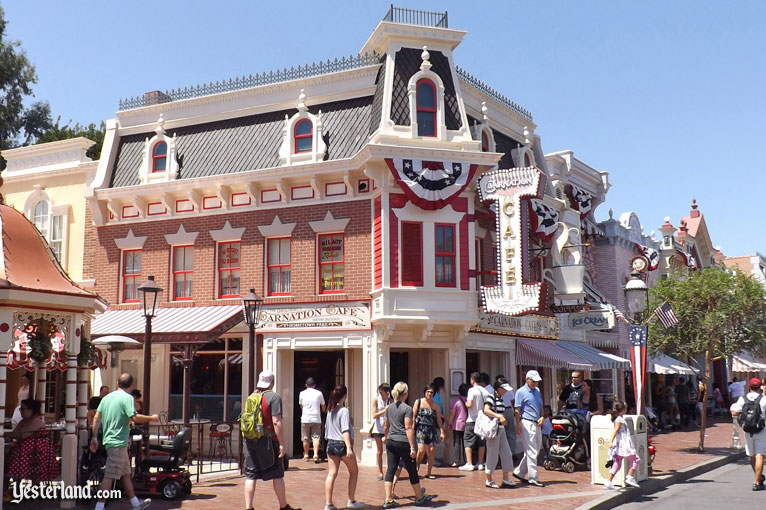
[569, 444]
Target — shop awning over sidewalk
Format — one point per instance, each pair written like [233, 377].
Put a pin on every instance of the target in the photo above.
[597, 357]
[745, 363]
[191, 324]
[664, 364]
[548, 354]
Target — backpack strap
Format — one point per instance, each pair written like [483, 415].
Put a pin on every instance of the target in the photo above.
[266, 411]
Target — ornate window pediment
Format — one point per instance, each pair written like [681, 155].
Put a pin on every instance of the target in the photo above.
[302, 136]
[158, 159]
[425, 91]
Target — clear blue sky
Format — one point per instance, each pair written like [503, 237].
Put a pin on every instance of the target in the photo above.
[668, 96]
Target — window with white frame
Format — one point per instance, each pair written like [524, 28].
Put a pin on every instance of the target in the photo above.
[278, 266]
[183, 272]
[131, 275]
[52, 224]
[229, 260]
[41, 217]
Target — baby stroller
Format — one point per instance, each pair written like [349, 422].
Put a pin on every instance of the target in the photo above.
[569, 446]
[91, 467]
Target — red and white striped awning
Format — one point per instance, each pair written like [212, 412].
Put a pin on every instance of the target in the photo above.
[546, 353]
[170, 325]
[745, 363]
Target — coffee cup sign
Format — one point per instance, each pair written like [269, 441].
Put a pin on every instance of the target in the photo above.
[508, 188]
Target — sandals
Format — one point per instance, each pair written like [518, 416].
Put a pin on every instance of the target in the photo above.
[491, 485]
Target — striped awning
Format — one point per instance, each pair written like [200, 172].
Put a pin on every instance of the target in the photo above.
[663, 364]
[745, 363]
[190, 324]
[548, 354]
[602, 339]
[597, 357]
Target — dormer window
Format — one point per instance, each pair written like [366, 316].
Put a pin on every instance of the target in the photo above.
[426, 108]
[303, 135]
[159, 157]
[484, 141]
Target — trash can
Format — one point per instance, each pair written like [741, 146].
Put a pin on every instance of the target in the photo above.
[601, 428]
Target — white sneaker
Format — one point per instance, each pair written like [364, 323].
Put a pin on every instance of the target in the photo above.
[355, 504]
[630, 480]
[480, 467]
[608, 485]
[466, 467]
[143, 504]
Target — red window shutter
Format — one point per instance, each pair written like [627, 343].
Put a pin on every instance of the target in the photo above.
[412, 254]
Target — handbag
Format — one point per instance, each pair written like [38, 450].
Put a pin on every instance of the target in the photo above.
[485, 427]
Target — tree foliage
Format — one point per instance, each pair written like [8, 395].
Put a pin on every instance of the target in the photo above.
[91, 131]
[18, 125]
[720, 313]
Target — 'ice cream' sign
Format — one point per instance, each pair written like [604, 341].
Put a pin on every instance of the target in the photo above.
[507, 188]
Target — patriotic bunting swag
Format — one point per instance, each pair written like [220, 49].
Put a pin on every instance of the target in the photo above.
[581, 200]
[638, 336]
[431, 184]
[688, 259]
[545, 220]
[652, 255]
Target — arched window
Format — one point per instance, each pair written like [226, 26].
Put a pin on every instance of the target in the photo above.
[484, 141]
[303, 132]
[159, 157]
[41, 218]
[426, 107]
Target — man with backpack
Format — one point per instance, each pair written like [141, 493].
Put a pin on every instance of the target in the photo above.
[261, 425]
[751, 411]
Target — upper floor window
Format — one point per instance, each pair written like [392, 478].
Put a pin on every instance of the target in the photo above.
[41, 217]
[303, 132]
[159, 157]
[131, 275]
[278, 258]
[445, 255]
[56, 238]
[426, 108]
[228, 269]
[331, 263]
[183, 272]
[412, 254]
[484, 142]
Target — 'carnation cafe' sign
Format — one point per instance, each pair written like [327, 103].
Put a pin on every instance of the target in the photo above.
[342, 315]
[507, 187]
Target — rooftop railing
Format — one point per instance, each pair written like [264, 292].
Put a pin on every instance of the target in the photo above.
[414, 17]
[494, 94]
[245, 82]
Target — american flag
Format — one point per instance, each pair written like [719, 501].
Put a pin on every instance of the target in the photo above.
[666, 315]
[619, 315]
[638, 336]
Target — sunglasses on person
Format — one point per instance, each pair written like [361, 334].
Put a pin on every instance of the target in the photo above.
[22, 408]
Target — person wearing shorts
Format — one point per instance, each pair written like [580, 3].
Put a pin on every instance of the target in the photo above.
[114, 413]
[475, 403]
[311, 402]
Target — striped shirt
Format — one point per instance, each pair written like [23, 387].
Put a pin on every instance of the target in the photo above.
[496, 403]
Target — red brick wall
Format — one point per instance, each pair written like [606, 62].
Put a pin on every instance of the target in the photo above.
[102, 257]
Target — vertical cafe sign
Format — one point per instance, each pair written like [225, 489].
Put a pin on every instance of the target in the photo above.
[507, 188]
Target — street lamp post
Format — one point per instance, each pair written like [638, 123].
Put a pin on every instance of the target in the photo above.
[637, 300]
[250, 306]
[149, 292]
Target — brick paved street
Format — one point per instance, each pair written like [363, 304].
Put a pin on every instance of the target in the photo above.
[456, 490]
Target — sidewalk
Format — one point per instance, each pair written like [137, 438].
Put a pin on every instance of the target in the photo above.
[456, 490]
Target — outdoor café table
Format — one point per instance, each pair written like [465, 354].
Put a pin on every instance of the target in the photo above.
[54, 432]
[197, 426]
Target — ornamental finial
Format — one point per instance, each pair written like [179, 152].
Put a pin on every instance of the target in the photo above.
[426, 64]
[302, 101]
[160, 129]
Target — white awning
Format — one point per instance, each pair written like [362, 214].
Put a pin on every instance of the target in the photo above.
[181, 324]
[664, 364]
[547, 353]
[745, 363]
[597, 357]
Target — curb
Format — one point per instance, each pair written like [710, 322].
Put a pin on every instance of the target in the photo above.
[661, 482]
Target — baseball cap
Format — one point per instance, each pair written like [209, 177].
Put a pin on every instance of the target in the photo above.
[532, 374]
[755, 382]
[506, 387]
[265, 379]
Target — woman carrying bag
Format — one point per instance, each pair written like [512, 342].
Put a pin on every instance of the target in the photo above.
[498, 444]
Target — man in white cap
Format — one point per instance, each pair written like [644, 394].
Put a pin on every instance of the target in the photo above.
[529, 419]
[263, 457]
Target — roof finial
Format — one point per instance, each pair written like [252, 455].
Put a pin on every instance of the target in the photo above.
[484, 111]
[160, 129]
[527, 135]
[611, 214]
[425, 65]
[302, 102]
[694, 203]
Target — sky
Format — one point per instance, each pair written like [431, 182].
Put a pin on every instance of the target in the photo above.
[667, 96]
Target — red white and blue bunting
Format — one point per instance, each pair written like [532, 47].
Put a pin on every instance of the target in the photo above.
[688, 259]
[581, 200]
[431, 184]
[652, 255]
[545, 220]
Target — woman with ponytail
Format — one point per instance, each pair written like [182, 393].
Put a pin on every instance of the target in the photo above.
[340, 434]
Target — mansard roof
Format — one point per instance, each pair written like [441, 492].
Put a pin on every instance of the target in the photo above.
[246, 143]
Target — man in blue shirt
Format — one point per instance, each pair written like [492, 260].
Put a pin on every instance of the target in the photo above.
[529, 418]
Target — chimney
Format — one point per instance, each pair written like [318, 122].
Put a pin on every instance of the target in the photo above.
[156, 97]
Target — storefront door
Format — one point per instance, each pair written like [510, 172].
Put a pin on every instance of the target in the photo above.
[328, 369]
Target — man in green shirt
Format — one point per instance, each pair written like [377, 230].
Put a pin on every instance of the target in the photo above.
[115, 412]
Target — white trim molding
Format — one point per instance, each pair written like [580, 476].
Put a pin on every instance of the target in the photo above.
[287, 154]
[182, 237]
[227, 233]
[131, 242]
[329, 224]
[145, 173]
[277, 228]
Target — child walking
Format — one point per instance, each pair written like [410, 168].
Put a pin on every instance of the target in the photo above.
[621, 446]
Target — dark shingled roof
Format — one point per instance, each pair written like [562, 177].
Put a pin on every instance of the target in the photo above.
[246, 143]
[505, 145]
[406, 64]
[377, 102]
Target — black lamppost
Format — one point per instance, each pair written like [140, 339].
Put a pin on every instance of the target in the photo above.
[149, 292]
[251, 305]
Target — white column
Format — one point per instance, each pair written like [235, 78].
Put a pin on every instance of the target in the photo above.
[82, 403]
[40, 375]
[6, 342]
[69, 442]
[376, 357]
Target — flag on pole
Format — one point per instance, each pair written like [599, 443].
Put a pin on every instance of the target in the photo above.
[638, 336]
[666, 315]
[619, 315]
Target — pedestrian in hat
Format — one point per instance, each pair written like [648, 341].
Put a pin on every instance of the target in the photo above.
[751, 410]
[529, 419]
